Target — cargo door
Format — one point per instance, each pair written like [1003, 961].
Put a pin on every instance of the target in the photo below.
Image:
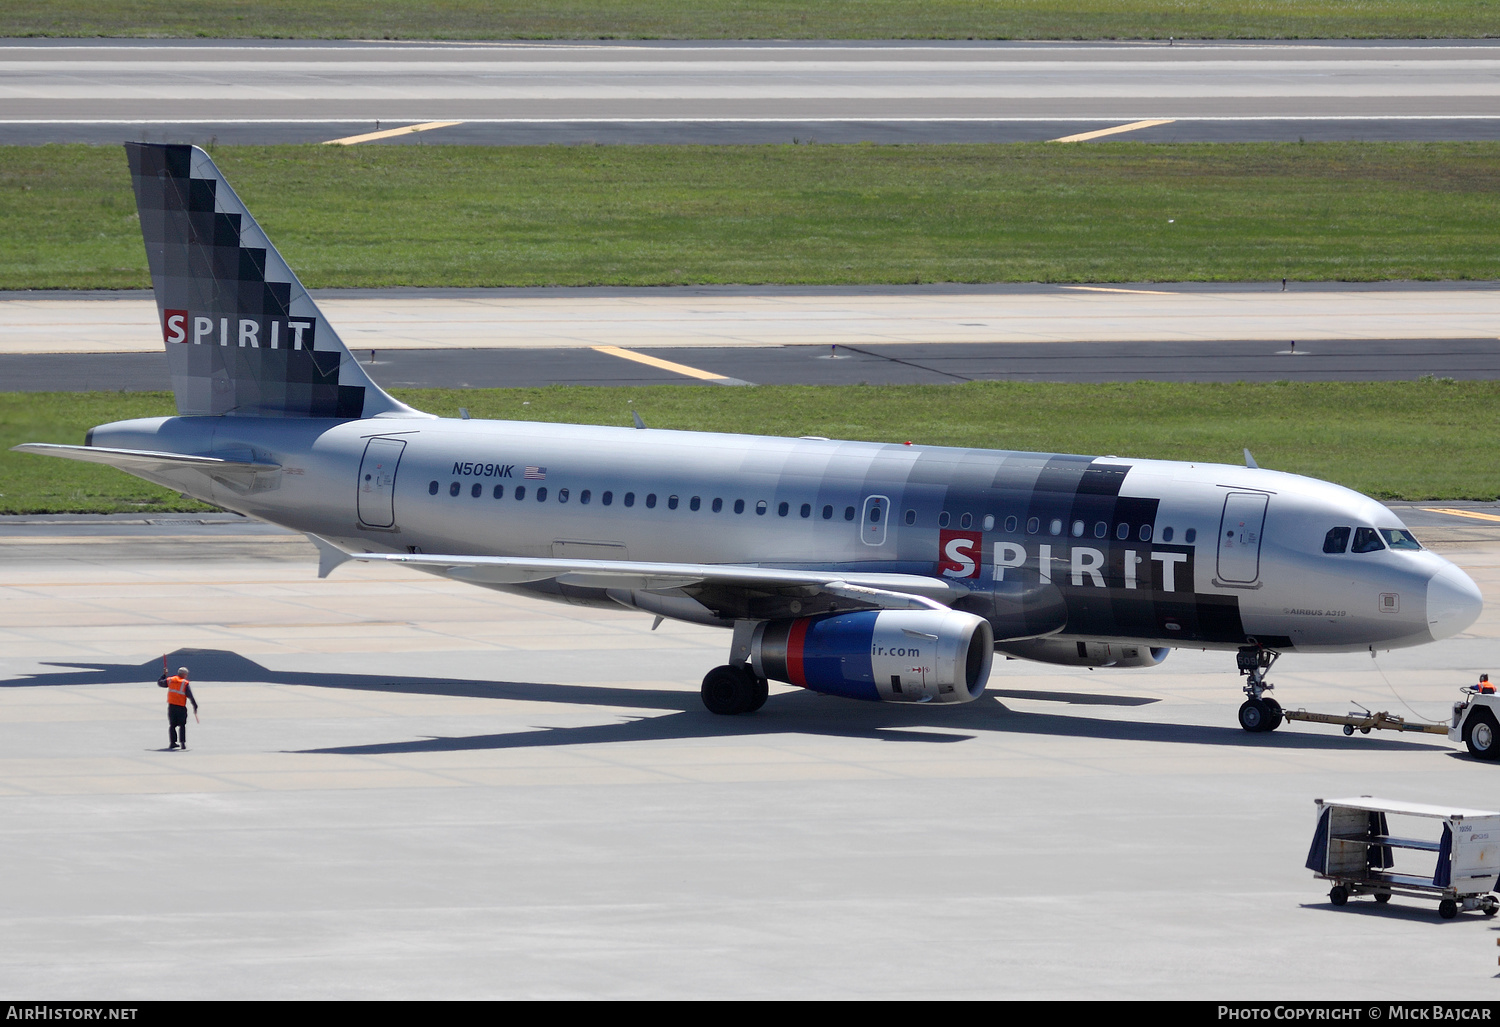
[377, 482]
[1239, 537]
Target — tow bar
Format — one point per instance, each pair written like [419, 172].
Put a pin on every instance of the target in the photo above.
[1366, 722]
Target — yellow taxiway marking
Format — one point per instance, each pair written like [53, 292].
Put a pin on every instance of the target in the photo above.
[1461, 513]
[1133, 292]
[426, 126]
[665, 365]
[1132, 127]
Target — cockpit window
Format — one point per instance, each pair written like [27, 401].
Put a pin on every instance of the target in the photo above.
[1400, 538]
[1336, 541]
[1367, 540]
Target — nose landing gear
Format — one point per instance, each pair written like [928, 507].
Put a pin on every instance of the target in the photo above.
[1259, 712]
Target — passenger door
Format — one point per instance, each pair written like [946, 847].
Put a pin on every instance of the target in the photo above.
[377, 482]
[1239, 537]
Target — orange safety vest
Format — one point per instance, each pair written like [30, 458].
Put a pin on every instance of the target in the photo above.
[177, 690]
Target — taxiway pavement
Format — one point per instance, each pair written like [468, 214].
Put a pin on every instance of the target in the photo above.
[403, 787]
[481, 338]
[105, 91]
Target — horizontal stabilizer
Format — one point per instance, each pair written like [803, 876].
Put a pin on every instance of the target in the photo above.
[147, 461]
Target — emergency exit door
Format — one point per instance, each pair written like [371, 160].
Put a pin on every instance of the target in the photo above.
[377, 483]
[1239, 537]
[873, 520]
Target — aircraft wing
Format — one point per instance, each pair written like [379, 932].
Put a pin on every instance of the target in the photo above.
[715, 585]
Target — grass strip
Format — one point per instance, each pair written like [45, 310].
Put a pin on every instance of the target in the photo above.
[1393, 440]
[811, 214]
[753, 19]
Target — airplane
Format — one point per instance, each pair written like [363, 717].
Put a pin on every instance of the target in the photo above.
[883, 572]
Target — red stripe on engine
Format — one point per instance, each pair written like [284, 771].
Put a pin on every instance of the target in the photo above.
[794, 642]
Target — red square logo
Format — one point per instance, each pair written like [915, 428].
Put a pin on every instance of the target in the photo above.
[960, 553]
[174, 325]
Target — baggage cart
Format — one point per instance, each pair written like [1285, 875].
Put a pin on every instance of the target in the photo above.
[1354, 848]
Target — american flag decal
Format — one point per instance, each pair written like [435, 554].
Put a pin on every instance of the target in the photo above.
[537, 473]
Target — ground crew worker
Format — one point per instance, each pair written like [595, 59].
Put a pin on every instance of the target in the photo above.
[179, 694]
[1484, 685]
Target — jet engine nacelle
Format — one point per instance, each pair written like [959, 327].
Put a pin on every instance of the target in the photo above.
[1084, 654]
[882, 655]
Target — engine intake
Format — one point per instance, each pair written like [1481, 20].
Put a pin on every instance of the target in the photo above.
[881, 655]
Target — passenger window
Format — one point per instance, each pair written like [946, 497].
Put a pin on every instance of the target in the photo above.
[1336, 541]
[453, 489]
[911, 517]
[630, 499]
[671, 502]
[500, 492]
[1033, 526]
[848, 513]
[607, 498]
[874, 515]
[520, 492]
[989, 522]
[432, 487]
[1166, 534]
[718, 505]
[1010, 524]
[1145, 533]
[1191, 536]
[782, 509]
[1055, 528]
[827, 513]
[583, 497]
[739, 506]
[650, 501]
[541, 494]
[1077, 529]
[806, 510]
[694, 504]
[1400, 538]
[1367, 540]
[966, 521]
[760, 508]
[1122, 530]
[476, 491]
[943, 519]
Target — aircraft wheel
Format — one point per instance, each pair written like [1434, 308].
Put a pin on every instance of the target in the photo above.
[1338, 895]
[1255, 717]
[1274, 708]
[759, 690]
[1481, 735]
[1447, 909]
[731, 690]
[1382, 897]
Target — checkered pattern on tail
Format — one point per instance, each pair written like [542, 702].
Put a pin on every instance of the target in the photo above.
[243, 337]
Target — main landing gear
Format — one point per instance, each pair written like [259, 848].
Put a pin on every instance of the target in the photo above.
[733, 688]
[1260, 712]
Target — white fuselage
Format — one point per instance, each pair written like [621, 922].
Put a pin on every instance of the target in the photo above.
[1158, 552]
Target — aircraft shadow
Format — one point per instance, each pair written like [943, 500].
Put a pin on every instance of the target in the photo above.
[795, 713]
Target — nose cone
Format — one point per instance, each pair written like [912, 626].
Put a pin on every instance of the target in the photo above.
[1453, 602]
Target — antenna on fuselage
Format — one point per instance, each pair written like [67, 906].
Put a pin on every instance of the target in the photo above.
[1250, 460]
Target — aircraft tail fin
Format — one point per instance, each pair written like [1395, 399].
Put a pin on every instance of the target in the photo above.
[243, 336]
